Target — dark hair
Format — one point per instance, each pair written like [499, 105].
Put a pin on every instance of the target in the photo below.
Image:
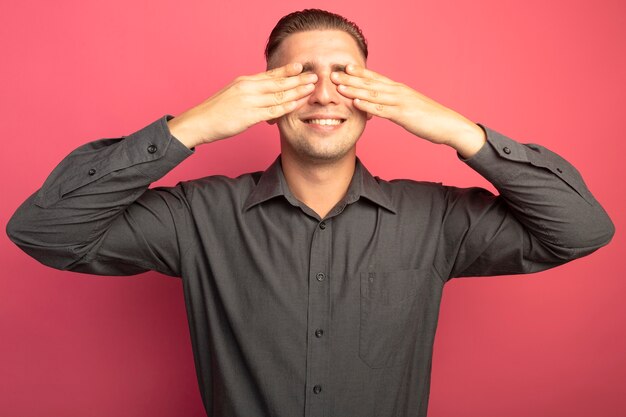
[312, 19]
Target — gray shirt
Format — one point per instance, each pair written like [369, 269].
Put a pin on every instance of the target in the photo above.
[294, 315]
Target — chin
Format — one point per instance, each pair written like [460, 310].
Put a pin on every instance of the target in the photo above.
[312, 144]
[311, 153]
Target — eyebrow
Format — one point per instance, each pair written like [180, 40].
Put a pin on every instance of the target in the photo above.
[310, 66]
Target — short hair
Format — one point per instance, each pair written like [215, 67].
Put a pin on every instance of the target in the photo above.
[312, 19]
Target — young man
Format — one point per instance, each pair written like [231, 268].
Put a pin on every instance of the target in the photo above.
[312, 288]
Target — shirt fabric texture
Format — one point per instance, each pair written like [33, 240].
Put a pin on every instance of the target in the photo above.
[291, 314]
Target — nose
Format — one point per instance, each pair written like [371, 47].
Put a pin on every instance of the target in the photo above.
[325, 91]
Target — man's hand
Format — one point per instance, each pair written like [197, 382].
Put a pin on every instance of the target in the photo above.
[380, 96]
[245, 102]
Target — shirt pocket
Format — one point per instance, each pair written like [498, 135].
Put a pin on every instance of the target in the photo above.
[388, 316]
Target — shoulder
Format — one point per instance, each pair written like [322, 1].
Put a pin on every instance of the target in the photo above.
[249, 179]
[220, 187]
[408, 194]
[408, 188]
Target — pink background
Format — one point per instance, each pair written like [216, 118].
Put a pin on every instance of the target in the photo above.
[549, 344]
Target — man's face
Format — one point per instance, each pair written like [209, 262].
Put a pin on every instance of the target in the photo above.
[327, 127]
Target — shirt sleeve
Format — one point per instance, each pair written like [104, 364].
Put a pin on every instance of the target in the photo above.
[543, 216]
[95, 214]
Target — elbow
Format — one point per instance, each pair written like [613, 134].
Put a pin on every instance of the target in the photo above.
[20, 226]
[607, 231]
[14, 229]
[19, 232]
[600, 230]
[589, 235]
[28, 240]
[33, 237]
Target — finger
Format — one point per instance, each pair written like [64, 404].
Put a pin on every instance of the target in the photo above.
[363, 83]
[293, 105]
[271, 85]
[284, 96]
[279, 110]
[363, 72]
[377, 109]
[372, 95]
[288, 70]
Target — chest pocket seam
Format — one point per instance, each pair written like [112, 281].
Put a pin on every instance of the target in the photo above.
[388, 315]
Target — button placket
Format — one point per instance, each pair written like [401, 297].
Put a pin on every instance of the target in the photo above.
[318, 318]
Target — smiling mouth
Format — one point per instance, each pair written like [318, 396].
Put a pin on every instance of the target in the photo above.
[325, 122]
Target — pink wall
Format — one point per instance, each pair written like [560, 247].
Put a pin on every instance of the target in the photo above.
[550, 344]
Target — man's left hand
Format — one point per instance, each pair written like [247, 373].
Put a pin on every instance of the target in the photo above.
[380, 96]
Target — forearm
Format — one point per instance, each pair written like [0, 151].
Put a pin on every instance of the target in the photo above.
[468, 140]
[546, 194]
[89, 189]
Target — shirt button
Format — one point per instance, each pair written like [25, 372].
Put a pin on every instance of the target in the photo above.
[317, 389]
[91, 171]
[322, 225]
[152, 149]
[506, 150]
[320, 277]
[319, 333]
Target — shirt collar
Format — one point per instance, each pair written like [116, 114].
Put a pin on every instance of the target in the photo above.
[273, 184]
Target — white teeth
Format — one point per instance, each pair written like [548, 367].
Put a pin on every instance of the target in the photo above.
[325, 122]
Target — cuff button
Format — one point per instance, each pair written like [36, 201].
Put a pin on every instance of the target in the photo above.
[506, 150]
[91, 171]
[152, 149]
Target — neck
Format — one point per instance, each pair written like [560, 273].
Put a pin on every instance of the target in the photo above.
[319, 185]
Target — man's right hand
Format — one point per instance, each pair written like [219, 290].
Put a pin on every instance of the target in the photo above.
[245, 102]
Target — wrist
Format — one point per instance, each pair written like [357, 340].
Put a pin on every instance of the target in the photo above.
[182, 133]
[470, 141]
